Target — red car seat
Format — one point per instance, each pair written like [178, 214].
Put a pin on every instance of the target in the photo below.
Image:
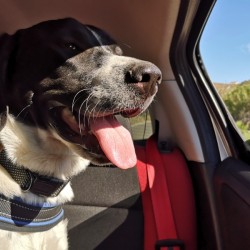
[148, 207]
[167, 197]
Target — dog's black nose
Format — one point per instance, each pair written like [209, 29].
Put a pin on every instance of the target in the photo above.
[143, 73]
[145, 77]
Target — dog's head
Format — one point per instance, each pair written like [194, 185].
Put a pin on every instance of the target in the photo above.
[72, 78]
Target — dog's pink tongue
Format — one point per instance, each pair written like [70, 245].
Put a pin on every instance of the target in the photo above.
[115, 141]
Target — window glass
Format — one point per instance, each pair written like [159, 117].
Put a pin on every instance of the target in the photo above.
[225, 50]
[141, 126]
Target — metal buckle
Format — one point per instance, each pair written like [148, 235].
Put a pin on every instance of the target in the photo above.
[169, 244]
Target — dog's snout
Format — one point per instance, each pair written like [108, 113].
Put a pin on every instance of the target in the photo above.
[144, 77]
[143, 73]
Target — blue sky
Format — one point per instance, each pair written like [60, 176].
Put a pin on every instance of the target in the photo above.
[225, 43]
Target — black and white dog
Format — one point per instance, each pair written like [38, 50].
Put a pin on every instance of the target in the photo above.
[61, 83]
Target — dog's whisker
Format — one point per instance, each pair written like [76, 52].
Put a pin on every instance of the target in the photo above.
[79, 118]
[84, 115]
[124, 44]
[93, 109]
[99, 111]
[26, 107]
[75, 99]
[73, 104]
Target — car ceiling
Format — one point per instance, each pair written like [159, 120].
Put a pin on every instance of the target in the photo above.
[144, 29]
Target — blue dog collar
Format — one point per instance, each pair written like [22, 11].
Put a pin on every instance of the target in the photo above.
[18, 216]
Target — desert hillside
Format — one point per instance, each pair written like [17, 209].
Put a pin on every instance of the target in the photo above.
[237, 98]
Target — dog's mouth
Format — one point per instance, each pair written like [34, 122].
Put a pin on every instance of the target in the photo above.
[102, 137]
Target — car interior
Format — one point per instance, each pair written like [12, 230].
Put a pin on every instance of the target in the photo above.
[190, 188]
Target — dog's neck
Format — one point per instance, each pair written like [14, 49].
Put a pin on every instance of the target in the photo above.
[41, 152]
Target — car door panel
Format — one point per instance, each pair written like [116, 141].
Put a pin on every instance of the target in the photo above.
[232, 188]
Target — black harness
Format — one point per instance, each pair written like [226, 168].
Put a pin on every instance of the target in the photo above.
[17, 215]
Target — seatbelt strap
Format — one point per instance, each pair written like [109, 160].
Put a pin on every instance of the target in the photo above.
[150, 234]
[155, 195]
[159, 192]
[166, 186]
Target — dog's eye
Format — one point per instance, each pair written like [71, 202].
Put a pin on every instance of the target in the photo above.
[72, 46]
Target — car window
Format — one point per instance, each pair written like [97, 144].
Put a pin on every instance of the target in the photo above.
[225, 50]
[141, 126]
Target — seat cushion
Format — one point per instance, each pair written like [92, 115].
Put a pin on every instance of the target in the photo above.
[107, 210]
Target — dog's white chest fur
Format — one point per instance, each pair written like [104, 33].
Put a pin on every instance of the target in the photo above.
[38, 151]
[54, 239]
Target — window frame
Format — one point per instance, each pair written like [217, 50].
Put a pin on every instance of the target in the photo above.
[226, 127]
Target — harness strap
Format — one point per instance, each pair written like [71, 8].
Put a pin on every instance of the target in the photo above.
[29, 181]
[15, 215]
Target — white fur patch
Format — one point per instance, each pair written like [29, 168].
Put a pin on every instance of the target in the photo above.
[54, 239]
[45, 153]
[42, 152]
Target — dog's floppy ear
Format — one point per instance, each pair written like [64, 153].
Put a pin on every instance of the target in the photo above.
[7, 48]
